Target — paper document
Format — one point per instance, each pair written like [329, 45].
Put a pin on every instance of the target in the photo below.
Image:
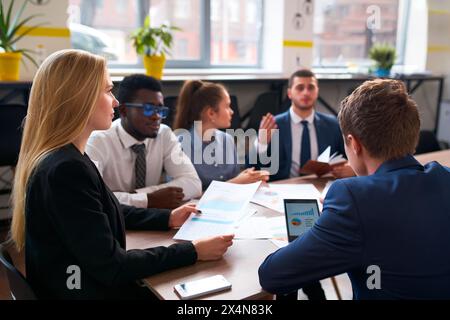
[279, 243]
[253, 228]
[223, 205]
[279, 231]
[272, 196]
[334, 158]
[278, 227]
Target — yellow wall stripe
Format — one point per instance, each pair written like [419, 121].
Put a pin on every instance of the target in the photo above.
[298, 44]
[47, 32]
[439, 12]
[438, 48]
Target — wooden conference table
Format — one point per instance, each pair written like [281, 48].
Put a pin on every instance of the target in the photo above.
[241, 262]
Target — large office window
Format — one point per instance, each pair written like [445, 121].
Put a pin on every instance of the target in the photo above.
[215, 33]
[103, 27]
[344, 31]
[236, 27]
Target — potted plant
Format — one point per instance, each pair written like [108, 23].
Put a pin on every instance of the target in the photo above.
[10, 33]
[153, 43]
[384, 56]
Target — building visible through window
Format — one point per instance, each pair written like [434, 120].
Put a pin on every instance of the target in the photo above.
[341, 33]
[233, 27]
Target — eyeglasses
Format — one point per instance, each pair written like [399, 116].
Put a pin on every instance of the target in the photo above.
[150, 109]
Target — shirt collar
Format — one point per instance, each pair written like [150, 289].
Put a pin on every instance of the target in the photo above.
[296, 119]
[127, 139]
[396, 164]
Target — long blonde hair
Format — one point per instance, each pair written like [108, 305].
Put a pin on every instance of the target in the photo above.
[63, 97]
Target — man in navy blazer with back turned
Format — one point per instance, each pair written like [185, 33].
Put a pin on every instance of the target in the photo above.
[388, 228]
[303, 135]
[303, 132]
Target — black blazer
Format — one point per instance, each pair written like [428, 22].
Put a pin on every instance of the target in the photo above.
[72, 218]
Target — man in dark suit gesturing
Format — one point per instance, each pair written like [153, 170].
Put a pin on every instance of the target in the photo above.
[389, 227]
[304, 133]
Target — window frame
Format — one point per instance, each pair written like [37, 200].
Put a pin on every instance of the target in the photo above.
[205, 44]
[402, 27]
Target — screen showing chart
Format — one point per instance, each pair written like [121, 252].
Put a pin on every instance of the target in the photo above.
[300, 216]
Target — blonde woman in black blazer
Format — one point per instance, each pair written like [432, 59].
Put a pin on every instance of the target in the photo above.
[65, 217]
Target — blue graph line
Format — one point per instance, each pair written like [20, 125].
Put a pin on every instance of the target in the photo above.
[211, 221]
[222, 205]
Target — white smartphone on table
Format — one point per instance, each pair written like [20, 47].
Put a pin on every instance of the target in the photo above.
[197, 288]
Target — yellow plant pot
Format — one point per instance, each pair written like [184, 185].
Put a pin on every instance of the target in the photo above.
[10, 66]
[154, 66]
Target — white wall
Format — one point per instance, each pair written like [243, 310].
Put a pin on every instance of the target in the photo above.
[439, 40]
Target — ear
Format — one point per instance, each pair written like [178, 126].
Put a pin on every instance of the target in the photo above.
[354, 144]
[289, 93]
[210, 113]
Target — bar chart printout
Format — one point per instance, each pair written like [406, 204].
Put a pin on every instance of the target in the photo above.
[223, 205]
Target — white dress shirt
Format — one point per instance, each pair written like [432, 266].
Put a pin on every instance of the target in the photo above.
[296, 134]
[111, 151]
[296, 137]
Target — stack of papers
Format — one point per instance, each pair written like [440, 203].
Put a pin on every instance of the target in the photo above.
[273, 196]
[224, 205]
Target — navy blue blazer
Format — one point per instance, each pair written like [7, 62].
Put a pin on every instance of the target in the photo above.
[397, 219]
[328, 134]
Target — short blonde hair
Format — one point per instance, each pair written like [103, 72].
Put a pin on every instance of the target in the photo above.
[63, 97]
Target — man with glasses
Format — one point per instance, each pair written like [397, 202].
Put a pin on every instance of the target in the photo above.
[139, 158]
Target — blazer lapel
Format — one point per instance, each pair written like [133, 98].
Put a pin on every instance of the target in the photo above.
[286, 136]
[323, 140]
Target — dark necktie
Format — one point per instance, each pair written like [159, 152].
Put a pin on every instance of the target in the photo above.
[140, 166]
[305, 152]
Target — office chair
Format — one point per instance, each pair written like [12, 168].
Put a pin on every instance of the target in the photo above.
[171, 103]
[11, 118]
[265, 102]
[285, 105]
[427, 142]
[236, 118]
[18, 285]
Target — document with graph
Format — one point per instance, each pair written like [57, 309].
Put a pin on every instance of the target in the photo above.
[223, 205]
[272, 195]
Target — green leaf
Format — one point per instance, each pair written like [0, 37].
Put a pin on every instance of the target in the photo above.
[24, 34]
[25, 53]
[153, 40]
[18, 15]
[8, 14]
[9, 26]
[383, 54]
[21, 24]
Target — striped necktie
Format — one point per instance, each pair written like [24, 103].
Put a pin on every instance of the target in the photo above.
[140, 166]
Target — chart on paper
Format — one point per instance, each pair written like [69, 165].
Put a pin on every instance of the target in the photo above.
[223, 205]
